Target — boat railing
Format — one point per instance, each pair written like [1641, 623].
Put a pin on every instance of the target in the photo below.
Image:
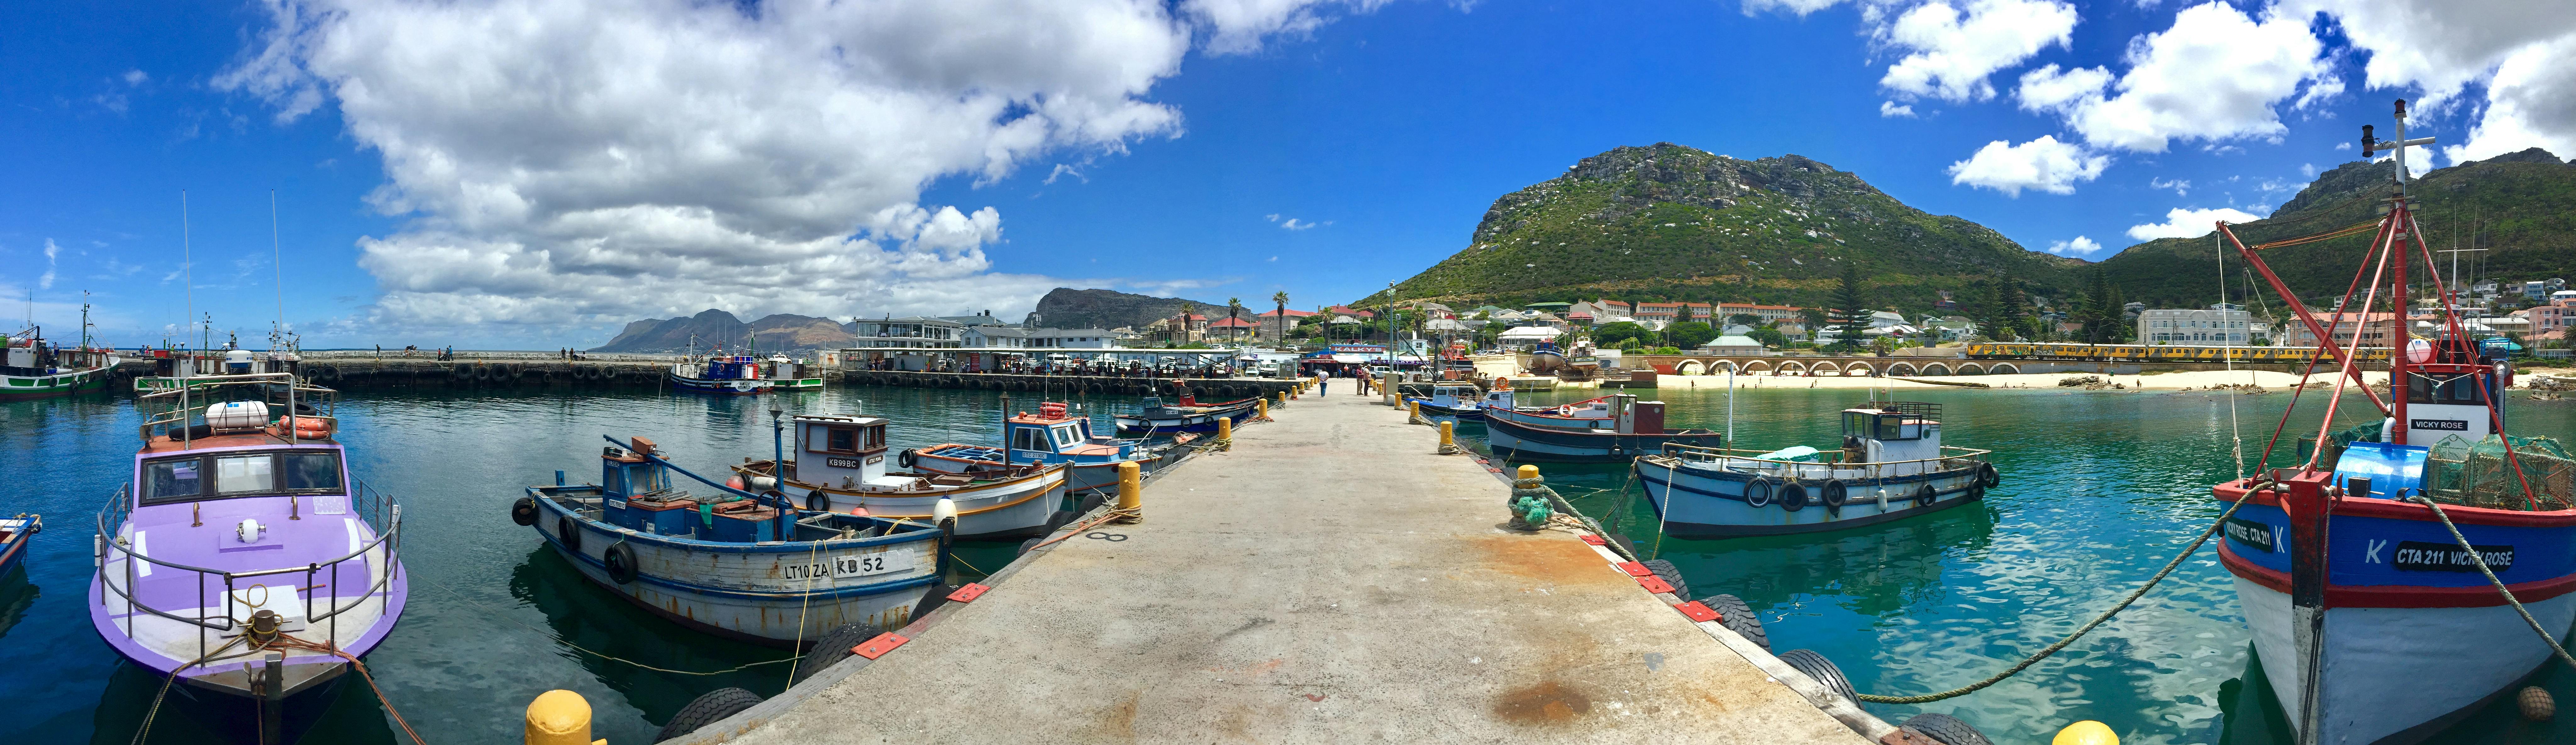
[174, 402]
[1725, 456]
[378, 510]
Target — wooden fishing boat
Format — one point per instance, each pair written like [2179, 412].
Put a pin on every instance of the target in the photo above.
[728, 561]
[1051, 436]
[1891, 465]
[733, 375]
[1499, 404]
[785, 374]
[15, 533]
[1188, 415]
[838, 464]
[1633, 428]
[1458, 401]
[2384, 625]
[242, 560]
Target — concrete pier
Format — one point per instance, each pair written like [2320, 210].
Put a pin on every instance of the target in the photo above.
[1328, 580]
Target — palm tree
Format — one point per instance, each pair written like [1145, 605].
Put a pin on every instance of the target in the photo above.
[1233, 312]
[1281, 299]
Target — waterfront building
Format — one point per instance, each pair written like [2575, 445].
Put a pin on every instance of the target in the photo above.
[1739, 345]
[2223, 323]
[2375, 328]
[1768, 313]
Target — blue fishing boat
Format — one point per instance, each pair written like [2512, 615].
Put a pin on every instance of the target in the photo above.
[1545, 358]
[1051, 436]
[2388, 573]
[1892, 465]
[1632, 428]
[15, 532]
[737, 375]
[241, 561]
[727, 561]
[1188, 415]
[839, 463]
[1459, 401]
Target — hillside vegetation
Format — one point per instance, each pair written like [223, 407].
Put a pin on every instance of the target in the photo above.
[1668, 222]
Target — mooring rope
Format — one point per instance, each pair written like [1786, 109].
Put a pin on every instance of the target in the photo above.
[2088, 626]
[2491, 578]
[489, 612]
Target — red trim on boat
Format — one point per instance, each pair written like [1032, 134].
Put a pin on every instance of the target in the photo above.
[2395, 510]
[2400, 596]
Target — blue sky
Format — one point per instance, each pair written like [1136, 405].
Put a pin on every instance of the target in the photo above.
[498, 175]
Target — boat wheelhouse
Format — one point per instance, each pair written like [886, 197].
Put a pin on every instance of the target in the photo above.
[838, 462]
[1052, 435]
[2387, 572]
[1460, 401]
[1631, 428]
[1188, 415]
[31, 367]
[736, 374]
[727, 561]
[1891, 465]
[242, 559]
[785, 374]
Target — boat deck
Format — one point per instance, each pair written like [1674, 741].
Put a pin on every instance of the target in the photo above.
[1328, 580]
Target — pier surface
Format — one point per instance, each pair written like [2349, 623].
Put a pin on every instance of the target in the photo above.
[1329, 580]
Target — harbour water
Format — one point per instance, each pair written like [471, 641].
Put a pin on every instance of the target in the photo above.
[2099, 490]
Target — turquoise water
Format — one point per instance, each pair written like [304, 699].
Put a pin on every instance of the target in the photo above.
[491, 608]
[2099, 490]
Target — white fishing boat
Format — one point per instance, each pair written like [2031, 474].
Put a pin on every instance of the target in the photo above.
[1890, 465]
[838, 464]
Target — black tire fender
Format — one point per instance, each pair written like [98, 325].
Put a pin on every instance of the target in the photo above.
[1925, 495]
[619, 559]
[1739, 618]
[1030, 545]
[1758, 492]
[1834, 494]
[1823, 670]
[1976, 492]
[817, 501]
[524, 511]
[569, 532]
[708, 709]
[908, 458]
[1793, 496]
[835, 647]
[1088, 503]
[1947, 730]
[1986, 475]
[1671, 575]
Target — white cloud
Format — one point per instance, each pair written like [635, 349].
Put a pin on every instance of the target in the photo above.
[2442, 46]
[2190, 223]
[2180, 187]
[1293, 224]
[1891, 109]
[2081, 246]
[1950, 52]
[1796, 7]
[587, 162]
[2044, 164]
[2531, 102]
[1239, 26]
[47, 282]
[2214, 75]
[136, 77]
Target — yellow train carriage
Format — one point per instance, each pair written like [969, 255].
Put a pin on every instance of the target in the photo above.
[2152, 353]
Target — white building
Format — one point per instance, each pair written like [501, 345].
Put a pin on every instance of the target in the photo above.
[1073, 338]
[2223, 323]
[1737, 345]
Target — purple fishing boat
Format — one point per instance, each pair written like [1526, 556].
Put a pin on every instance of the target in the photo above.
[241, 561]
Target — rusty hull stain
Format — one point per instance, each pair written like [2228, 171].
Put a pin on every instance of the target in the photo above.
[1547, 702]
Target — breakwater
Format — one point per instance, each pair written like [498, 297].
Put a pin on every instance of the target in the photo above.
[1211, 389]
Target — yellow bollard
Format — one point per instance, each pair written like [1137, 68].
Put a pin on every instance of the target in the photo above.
[1131, 491]
[1263, 408]
[1225, 432]
[2087, 732]
[1448, 437]
[1283, 398]
[559, 717]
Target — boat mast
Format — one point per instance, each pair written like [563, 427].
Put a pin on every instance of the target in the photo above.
[2400, 233]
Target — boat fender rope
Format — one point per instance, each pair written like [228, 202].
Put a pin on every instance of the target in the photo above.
[2043, 654]
[2491, 578]
[1531, 503]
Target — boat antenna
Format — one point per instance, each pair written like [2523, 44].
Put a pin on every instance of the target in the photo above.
[187, 264]
[277, 263]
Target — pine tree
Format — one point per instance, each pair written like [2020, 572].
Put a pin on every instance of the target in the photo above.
[1852, 313]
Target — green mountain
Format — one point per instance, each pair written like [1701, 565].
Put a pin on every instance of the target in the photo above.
[2520, 207]
[1673, 223]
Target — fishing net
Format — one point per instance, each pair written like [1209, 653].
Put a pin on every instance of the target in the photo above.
[2483, 475]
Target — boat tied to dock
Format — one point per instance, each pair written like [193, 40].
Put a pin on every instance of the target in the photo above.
[241, 560]
[1053, 435]
[32, 367]
[1891, 465]
[735, 374]
[839, 462]
[1610, 429]
[1185, 415]
[732, 562]
[1459, 401]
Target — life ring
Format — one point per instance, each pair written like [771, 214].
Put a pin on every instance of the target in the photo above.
[1986, 475]
[619, 559]
[1833, 495]
[1758, 491]
[1924, 495]
[1793, 496]
[817, 501]
[524, 511]
[908, 458]
[568, 532]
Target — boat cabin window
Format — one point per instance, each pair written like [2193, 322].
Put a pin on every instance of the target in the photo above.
[2460, 389]
[1030, 438]
[290, 472]
[1881, 426]
[1064, 435]
[847, 439]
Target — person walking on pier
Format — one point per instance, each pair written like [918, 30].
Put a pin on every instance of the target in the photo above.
[1323, 382]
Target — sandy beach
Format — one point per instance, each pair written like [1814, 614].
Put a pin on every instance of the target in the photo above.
[2165, 381]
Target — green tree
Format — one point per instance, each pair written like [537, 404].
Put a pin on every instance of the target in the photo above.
[1611, 334]
[1691, 334]
[1851, 312]
[1744, 319]
[1280, 299]
[1233, 311]
[1770, 337]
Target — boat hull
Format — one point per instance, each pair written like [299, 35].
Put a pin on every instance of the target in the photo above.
[739, 591]
[1138, 424]
[2402, 607]
[1696, 502]
[22, 387]
[717, 387]
[1469, 413]
[1522, 443]
[1011, 509]
[1080, 478]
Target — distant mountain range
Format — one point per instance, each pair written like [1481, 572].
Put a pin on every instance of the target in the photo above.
[1069, 308]
[784, 332]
